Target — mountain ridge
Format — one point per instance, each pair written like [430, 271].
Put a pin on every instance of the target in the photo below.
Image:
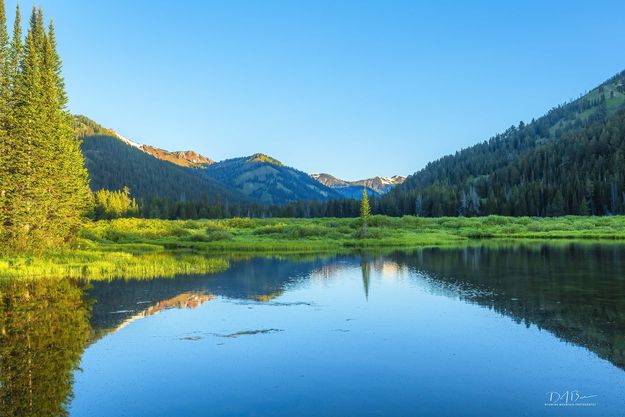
[376, 186]
[564, 162]
[187, 175]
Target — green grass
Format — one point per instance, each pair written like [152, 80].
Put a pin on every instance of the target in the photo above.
[145, 248]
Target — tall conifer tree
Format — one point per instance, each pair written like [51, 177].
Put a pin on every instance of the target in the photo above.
[71, 191]
[15, 51]
[4, 89]
[44, 182]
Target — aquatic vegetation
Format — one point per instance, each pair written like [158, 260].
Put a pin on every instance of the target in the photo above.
[100, 264]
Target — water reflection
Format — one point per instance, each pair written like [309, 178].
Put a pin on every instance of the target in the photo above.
[262, 279]
[365, 267]
[44, 327]
[575, 292]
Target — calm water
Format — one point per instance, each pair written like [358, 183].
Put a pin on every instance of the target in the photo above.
[456, 332]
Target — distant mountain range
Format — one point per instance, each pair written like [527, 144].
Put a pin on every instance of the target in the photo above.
[114, 161]
[569, 161]
[376, 186]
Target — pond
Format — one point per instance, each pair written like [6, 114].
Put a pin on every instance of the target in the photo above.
[528, 330]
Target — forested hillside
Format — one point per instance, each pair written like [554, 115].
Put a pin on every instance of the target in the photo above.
[166, 188]
[569, 161]
[267, 181]
[114, 165]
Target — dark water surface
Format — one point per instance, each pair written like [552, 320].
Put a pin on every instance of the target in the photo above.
[481, 331]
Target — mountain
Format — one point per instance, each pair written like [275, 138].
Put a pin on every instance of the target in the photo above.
[266, 180]
[85, 127]
[569, 161]
[114, 162]
[381, 185]
[376, 186]
[182, 158]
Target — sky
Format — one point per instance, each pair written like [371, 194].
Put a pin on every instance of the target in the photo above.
[351, 88]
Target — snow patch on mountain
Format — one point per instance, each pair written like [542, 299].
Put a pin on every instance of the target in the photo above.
[129, 142]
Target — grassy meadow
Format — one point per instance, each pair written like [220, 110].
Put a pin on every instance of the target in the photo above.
[146, 248]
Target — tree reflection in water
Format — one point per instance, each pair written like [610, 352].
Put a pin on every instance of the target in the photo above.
[44, 328]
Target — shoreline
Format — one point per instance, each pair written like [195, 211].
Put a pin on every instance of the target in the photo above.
[149, 248]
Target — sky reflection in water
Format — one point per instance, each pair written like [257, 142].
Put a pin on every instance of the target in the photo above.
[473, 332]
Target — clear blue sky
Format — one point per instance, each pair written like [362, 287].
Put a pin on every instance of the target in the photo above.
[352, 88]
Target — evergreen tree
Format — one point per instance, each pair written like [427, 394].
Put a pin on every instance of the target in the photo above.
[365, 208]
[71, 193]
[15, 51]
[584, 208]
[114, 204]
[44, 182]
[4, 59]
[4, 89]
[25, 155]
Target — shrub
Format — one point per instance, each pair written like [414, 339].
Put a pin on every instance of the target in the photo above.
[271, 229]
[241, 223]
[179, 231]
[218, 235]
[298, 231]
[199, 238]
[379, 221]
[496, 220]
[117, 236]
[215, 225]
[370, 233]
[192, 224]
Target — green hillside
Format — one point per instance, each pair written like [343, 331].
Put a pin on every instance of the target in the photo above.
[266, 180]
[569, 161]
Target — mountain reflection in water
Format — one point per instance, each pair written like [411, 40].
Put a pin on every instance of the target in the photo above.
[575, 292]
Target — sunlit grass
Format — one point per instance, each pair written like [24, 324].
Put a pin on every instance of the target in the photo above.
[145, 248]
[103, 265]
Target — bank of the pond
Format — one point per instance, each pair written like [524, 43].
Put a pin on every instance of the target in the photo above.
[144, 248]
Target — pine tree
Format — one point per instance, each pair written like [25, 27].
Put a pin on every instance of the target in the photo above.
[365, 209]
[45, 184]
[71, 195]
[57, 67]
[15, 51]
[4, 58]
[4, 89]
[25, 177]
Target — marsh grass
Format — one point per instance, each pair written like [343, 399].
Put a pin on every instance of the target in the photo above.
[104, 265]
[144, 248]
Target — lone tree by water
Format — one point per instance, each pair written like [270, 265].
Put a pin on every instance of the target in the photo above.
[365, 209]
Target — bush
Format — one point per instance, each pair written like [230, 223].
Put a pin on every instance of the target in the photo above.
[370, 233]
[379, 221]
[219, 235]
[345, 230]
[215, 225]
[117, 236]
[298, 232]
[89, 235]
[496, 220]
[192, 224]
[199, 238]
[179, 232]
[241, 223]
[271, 229]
